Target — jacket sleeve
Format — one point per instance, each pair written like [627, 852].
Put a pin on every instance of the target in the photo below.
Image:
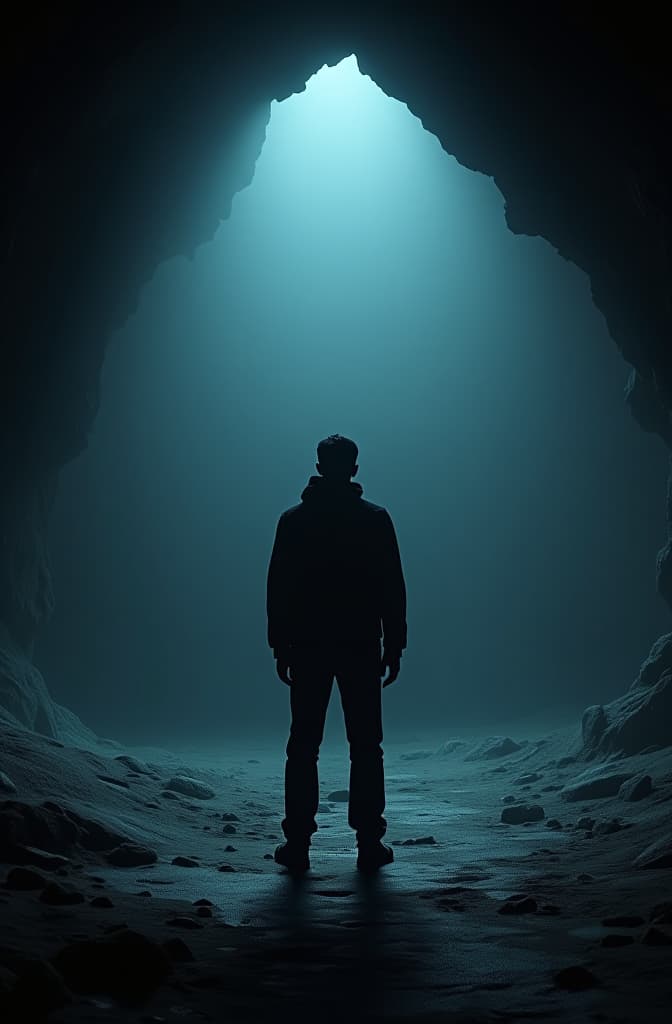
[277, 590]
[393, 610]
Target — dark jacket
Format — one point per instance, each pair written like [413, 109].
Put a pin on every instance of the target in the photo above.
[335, 574]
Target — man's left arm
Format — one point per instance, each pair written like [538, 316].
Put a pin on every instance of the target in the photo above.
[277, 587]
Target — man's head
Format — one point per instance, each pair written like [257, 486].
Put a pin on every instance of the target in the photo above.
[337, 458]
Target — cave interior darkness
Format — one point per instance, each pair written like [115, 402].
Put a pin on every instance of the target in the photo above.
[532, 844]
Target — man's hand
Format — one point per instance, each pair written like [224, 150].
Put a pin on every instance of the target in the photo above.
[282, 667]
[390, 663]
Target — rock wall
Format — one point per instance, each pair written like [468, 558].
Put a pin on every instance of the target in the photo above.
[130, 140]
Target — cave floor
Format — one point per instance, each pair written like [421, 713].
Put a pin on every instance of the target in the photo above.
[423, 939]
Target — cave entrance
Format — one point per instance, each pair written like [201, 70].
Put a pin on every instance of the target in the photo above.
[365, 284]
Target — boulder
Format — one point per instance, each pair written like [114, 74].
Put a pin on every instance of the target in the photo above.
[190, 787]
[493, 747]
[636, 789]
[339, 796]
[25, 880]
[124, 963]
[131, 855]
[518, 814]
[596, 784]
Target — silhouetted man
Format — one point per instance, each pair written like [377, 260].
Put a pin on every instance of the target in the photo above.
[335, 587]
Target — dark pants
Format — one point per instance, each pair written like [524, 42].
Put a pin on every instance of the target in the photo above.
[357, 672]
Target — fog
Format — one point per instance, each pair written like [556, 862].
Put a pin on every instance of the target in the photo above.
[365, 284]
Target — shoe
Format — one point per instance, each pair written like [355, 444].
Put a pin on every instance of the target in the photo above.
[293, 856]
[372, 856]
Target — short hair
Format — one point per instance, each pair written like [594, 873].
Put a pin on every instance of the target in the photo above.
[337, 454]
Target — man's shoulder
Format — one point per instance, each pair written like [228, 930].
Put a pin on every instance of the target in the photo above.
[372, 509]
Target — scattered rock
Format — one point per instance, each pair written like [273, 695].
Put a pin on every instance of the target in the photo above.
[168, 794]
[519, 904]
[203, 903]
[494, 746]
[552, 788]
[548, 910]
[58, 896]
[30, 834]
[228, 816]
[554, 824]
[623, 921]
[102, 902]
[509, 799]
[575, 979]
[586, 822]
[189, 787]
[614, 941]
[585, 877]
[636, 789]
[339, 796]
[230, 849]
[607, 828]
[204, 911]
[226, 867]
[182, 921]
[177, 950]
[324, 809]
[229, 830]
[123, 963]
[423, 841]
[657, 855]
[416, 755]
[564, 762]
[145, 893]
[185, 862]
[6, 784]
[130, 855]
[25, 880]
[595, 784]
[518, 814]
[268, 856]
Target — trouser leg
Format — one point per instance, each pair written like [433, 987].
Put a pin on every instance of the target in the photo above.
[359, 682]
[312, 678]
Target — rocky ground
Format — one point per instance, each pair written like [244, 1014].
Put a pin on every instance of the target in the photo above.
[528, 884]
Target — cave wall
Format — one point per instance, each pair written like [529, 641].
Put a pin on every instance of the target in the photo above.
[130, 138]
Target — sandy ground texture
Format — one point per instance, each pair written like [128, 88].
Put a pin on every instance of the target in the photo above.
[565, 913]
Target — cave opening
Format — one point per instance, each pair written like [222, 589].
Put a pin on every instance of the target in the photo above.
[364, 283]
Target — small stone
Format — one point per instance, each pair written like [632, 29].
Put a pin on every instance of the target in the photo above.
[145, 893]
[122, 963]
[57, 896]
[586, 822]
[423, 841]
[101, 901]
[268, 856]
[607, 828]
[134, 765]
[575, 979]
[494, 746]
[25, 880]
[636, 789]
[130, 855]
[339, 796]
[585, 877]
[182, 921]
[6, 784]
[226, 867]
[509, 799]
[178, 951]
[614, 941]
[168, 794]
[549, 910]
[229, 830]
[324, 809]
[204, 911]
[230, 849]
[553, 823]
[518, 814]
[203, 903]
[189, 787]
[527, 779]
[595, 785]
[185, 862]
[519, 904]
[228, 816]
